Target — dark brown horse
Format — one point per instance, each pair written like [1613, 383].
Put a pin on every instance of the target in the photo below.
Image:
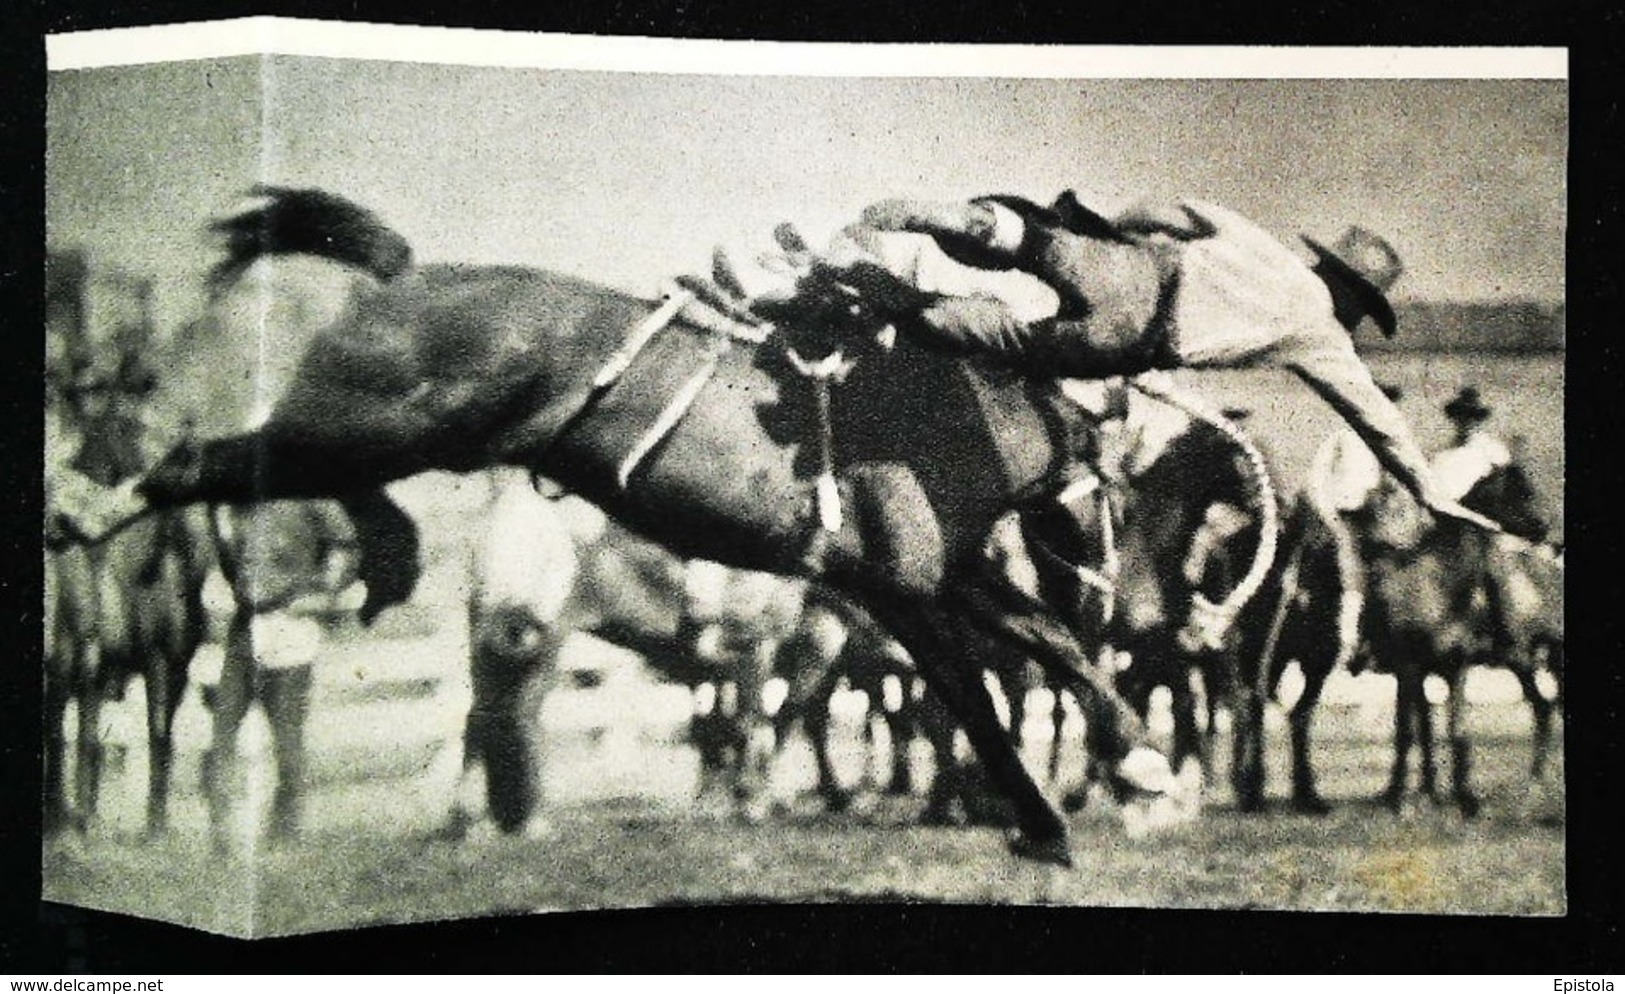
[1164, 506]
[463, 367]
[1444, 598]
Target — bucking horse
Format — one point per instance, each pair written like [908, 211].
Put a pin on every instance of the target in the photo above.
[868, 464]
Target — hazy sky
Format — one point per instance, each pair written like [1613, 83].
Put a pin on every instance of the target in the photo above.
[629, 178]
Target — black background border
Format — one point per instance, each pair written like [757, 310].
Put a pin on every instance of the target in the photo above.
[47, 938]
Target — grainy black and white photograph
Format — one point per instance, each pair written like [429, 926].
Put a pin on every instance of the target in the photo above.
[482, 485]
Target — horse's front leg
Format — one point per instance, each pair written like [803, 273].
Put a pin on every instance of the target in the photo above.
[936, 643]
[166, 678]
[1408, 689]
[1542, 710]
[1461, 762]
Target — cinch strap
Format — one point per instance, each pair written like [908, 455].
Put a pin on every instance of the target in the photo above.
[832, 367]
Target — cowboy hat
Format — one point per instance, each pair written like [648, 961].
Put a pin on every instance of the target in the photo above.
[1466, 406]
[1367, 264]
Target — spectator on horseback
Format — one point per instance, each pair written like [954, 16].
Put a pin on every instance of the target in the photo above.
[1161, 286]
[1343, 477]
[1475, 452]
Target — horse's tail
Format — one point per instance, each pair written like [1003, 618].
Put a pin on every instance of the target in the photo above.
[279, 220]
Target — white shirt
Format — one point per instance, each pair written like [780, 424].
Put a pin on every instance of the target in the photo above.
[1456, 470]
[528, 556]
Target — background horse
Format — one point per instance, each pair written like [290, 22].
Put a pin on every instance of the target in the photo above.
[1432, 615]
[1164, 506]
[131, 606]
[1293, 618]
[709, 449]
[1440, 599]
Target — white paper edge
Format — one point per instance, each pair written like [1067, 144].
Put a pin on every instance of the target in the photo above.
[517, 49]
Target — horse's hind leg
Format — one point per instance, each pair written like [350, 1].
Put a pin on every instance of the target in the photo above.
[1542, 709]
[1461, 762]
[1305, 795]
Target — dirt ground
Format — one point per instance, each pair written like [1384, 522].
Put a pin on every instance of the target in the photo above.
[625, 829]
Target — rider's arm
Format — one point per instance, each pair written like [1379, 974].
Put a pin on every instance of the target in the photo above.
[1331, 368]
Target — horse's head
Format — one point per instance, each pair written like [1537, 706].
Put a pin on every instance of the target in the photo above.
[1506, 495]
[1165, 508]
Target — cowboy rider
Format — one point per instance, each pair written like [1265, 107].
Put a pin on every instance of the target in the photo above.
[1161, 286]
[1475, 451]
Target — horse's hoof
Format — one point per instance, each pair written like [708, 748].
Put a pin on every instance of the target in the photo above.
[1393, 800]
[1146, 771]
[837, 802]
[455, 828]
[1470, 806]
[1310, 804]
[1055, 851]
[937, 816]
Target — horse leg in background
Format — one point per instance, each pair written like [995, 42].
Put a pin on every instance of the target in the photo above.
[938, 644]
[1542, 710]
[1247, 745]
[898, 699]
[166, 679]
[1187, 736]
[58, 674]
[1427, 768]
[1115, 728]
[1461, 760]
[1057, 717]
[812, 684]
[1306, 797]
[1408, 699]
[223, 773]
[285, 695]
[172, 622]
[756, 739]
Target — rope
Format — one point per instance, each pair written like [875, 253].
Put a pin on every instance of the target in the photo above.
[1220, 616]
